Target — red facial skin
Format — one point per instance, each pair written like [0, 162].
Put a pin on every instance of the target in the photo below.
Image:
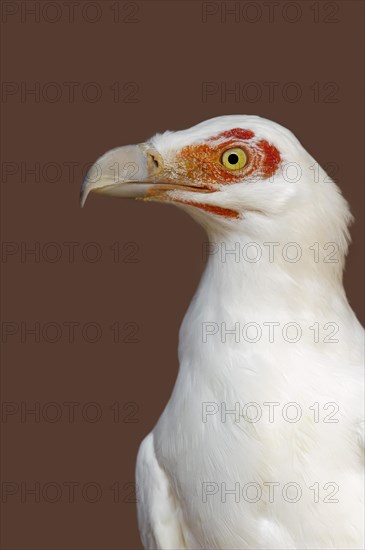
[236, 133]
[200, 165]
[202, 162]
[219, 210]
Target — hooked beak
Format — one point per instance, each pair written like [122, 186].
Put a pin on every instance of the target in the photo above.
[128, 171]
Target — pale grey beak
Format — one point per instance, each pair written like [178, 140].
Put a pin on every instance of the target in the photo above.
[124, 172]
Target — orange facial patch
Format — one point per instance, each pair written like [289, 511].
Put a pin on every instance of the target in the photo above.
[213, 209]
[236, 133]
[199, 169]
[201, 163]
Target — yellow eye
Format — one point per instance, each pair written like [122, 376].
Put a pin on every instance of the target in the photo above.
[234, 159]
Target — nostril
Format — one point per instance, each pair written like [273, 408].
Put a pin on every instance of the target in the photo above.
[155, 161]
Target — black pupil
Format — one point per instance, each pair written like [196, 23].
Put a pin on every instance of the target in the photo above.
[233, 158]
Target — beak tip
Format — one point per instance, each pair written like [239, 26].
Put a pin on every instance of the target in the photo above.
[84, 191]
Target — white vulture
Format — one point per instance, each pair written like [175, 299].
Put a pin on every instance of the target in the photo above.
[261, 445]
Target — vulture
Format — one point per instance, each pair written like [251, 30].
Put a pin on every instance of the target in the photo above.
[261, 445]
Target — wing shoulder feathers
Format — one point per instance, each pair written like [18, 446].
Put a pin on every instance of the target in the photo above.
[158, 511]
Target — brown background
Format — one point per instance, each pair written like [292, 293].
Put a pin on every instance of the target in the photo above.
[167, 52]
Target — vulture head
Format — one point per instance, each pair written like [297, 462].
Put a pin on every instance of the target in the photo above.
[234, 174]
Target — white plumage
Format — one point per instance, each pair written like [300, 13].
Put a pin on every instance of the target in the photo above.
[213, 479]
